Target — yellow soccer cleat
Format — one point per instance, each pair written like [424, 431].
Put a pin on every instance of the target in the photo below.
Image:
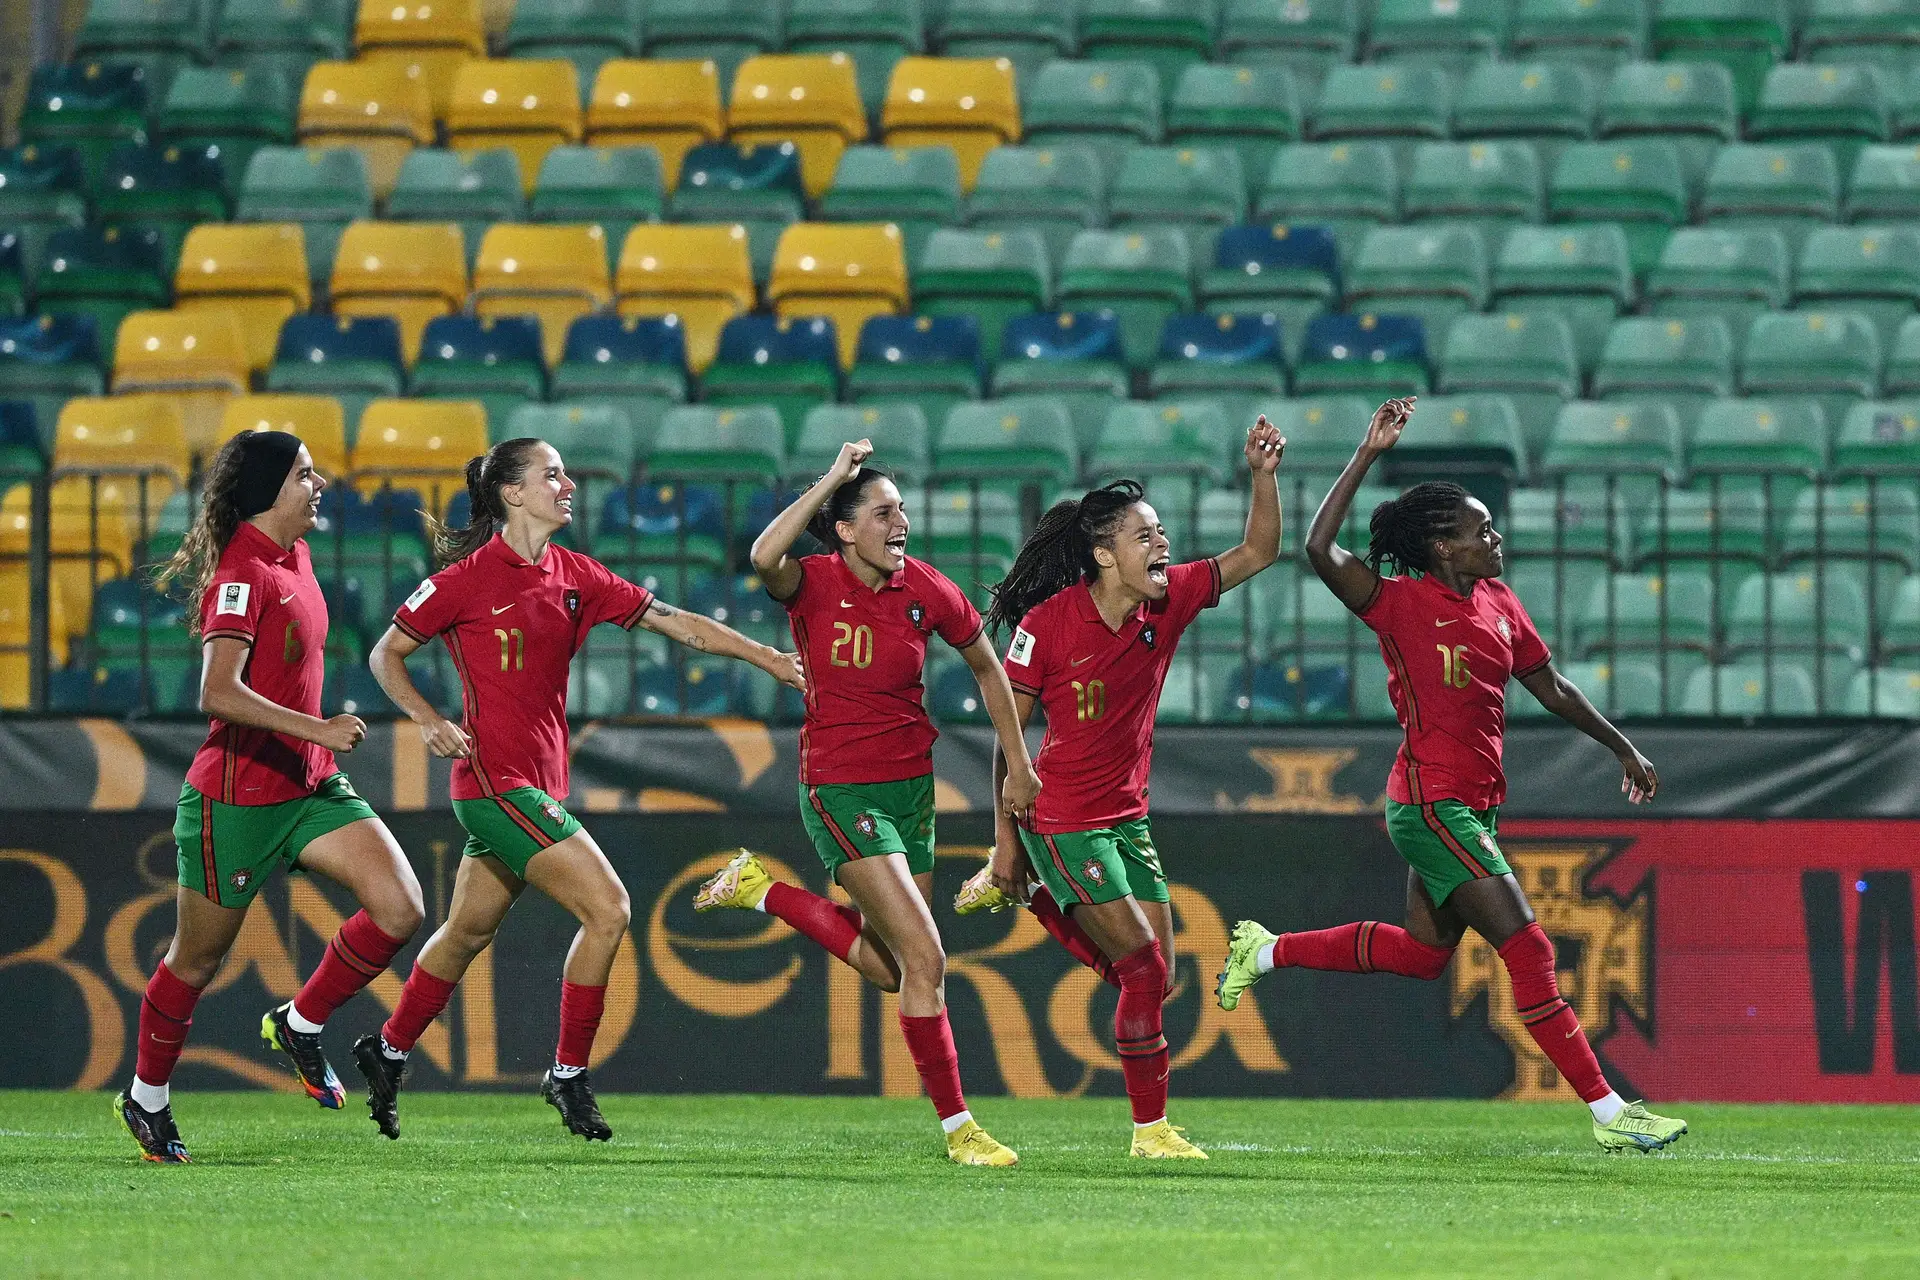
[1162, 1141]
[1638, 1129]
[970, 1144]
[742, 883]
[979, 894]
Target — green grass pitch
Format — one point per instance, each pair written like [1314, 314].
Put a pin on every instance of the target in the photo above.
[739, 1187]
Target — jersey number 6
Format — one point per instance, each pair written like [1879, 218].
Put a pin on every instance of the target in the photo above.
[859, 639]
[1453, 666]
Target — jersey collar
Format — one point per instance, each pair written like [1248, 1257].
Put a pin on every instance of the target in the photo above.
[850, 580]
[1446, 593]
[1090, 612]
[263, 546]
[507, 555]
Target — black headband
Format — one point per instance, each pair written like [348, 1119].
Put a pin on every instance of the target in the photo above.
[265, 459]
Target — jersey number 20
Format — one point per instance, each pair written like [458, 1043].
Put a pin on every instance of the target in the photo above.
[857, 639]
[1453, 666]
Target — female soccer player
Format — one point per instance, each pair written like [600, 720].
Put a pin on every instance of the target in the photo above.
[861, 616]
[1451, 634]
[1097, 613]
[263, 789]
[513, 609]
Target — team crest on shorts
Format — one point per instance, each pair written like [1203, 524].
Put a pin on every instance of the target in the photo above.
[240, 880]
[1486, 842]
[865, 825]
[917, 615]
[555, 814]
[1505, 628]
[1094, 871]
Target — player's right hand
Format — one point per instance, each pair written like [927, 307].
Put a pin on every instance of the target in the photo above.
[342, 733]
[1018, 793]
[446, 739]
[1389, 420]
[1010, 868]
[853, 455]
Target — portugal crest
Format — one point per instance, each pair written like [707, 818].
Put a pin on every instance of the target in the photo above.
[1149, 636]
[1486, 841]
[917, 615]
[554, 813]
[572, 599]
[865, 825]
[1504, 627]
[1094, 872]
[240, 880]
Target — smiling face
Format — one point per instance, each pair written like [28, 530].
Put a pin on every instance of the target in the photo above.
[297, 508]
[544, 495]
[1138, 553]
[1474, 550]
[877, 533]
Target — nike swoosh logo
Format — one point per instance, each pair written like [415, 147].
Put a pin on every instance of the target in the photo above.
[1449, 622]
[285, 599]
[1571, 1034]
[1077, 661]
[502, 609]
[846, 604]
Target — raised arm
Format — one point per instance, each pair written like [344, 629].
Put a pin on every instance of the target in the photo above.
[697, 631]
[1011, 871]
[225, 696]
[1022, 785]
[388, 662]
[1563, 697]
[1346, 574]
[776, 568]
[1260, 545]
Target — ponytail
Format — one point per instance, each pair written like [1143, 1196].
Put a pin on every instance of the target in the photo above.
[842, 504]
[1059, 551]
[504, 464]
[197, 558]
[1404, 529]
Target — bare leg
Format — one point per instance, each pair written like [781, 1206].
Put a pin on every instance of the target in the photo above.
[900, 927]
[364, 858]
[203, 933]
[483, 892]
[575, 874]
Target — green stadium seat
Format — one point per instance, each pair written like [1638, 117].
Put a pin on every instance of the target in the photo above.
[1252, 109]
[726, 31]
[991, 276]
[1879, 437]
[1636, 182]
[1622, 688]
[874, 33]
[1106, 106]
[1581, 273]
[1187, 438]
[1367, 354]
[928, 362]
[1902, 377]
[170, 187]
[1846, 107]
[916, 188]
[13, 276]
[1745, 36]
[1383, 101]
[1029, 33]
[787, 364]
[1322, 432]
[1900, 633]
[1432, 272]
[1885, 184]
[1630, 612]
[1302, 614]
[1859, 520]
[1834, 355]
[1528, 358]
[900, 434]
[596, 440]
[1871, 270]
[584, 32]
[1628, 440]
[354, 359]
[91, 106]
[322, 190]
[1222, 354]
[289, 35]
[41, 188]
[1577, 517]
[1723, 535]
[1467, 437]
[1055, 192]
[1142, 275]
[1750, 690]
[1865, 32]
[1888, 692]
[229, 113]
[1197, 189]
[1553, 592]
[1077, 358]
[1906, 106]
[473, 188]
[1773, 447]
[160, 36]
[1493, 186]
[1690, 104]
[1735, 273]
[636, 364]
[495, 361]
[1455, 35]
[1028, 440]
[1793, 188]
[1596, 34]
[953, 524]
[1800, 611]
[614, 187]
[1168, 35]
[1289, 273]
[46, 359]
[1347, 187]
[703, 444]
[1307, 36]
[1546, 101]
[104, 273]
[1682, 363]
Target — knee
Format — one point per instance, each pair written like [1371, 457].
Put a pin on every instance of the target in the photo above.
[608, 919]
[402, 917]
[194, 970]
[1145, 970]
[468, 940]
[1529, 948]
[925, 961]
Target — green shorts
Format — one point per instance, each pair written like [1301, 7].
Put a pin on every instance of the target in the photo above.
[513, 826]
[849, 820]
[1105, 864]
[226, 850]
[1447, 843]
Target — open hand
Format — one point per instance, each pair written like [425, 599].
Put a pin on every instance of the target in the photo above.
[1265, 444]
[342, 733]
[1389, 420]
[446, 739]
[788, 669]
[1639, 782]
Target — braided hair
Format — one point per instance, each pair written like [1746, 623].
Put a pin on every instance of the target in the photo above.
[1404, 529]
[1059, 552]
[842, 504]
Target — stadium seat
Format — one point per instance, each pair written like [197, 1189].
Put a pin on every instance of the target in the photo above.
[1028, 33]
[1636, 182]
[584, 32]
[1347, 187]
[875, 34]
[372, 107]
[1597, 35]
[595, 440]
[1055, 192]
[1866, 32]
[92, 106]
[554, 273]
[1078, 358]
[528, 106]
[102, 272]
[322, 190]
[94, 530]
[1106, 106]
[1029, 440]
[1454, 36]
[1902, 376]
[1685, 364]
[915, 188]
[1581, 273]
[1630, 612]
[757, 187]
[256, 271]
[288, 36]
[13, 275]
[1733, 273]
[1432, 272]
[317, 420]
[1190, 438]
[699, 273]
[410, 271]
[1724, 534]
[129, 435]
[1688, 104]
[1528, 358]
[41, 188]
[1889, 692]
[1366, 353]
[1306, 36]
[1289, 272]
[418, 444]
[427, 43]
[1198, 189]
[671, 106]
[1873, 521]
[1571, 517]
[1885, 184]
[725, 32]
[900, 434]
[1749, 690]
[1554, 593]
[788, 364]
[966, 104]
[1745, 36]
[1141, 275]
[1845, 107]
[1322, 432]
[1252, 110]
[1773, 448]
[1471, 438]
[16, 635]
[44, 359]
[229, 113]
[1621, 688]
[198, 355]
[350, 359]
[1162, 33]
[1800, 611]
[1834, 355]
[991, 276]
[1219, 354]
[698, 443]
[1546, 102]
[1879, 437]
[810, 100]
[1491, 186]
[169, 187]
[929, 362]
[1792, 188]
[23, 449]
[1617, 440]
[494, 360]
[1394, 100]
[157, 37]
[474, 189]
[843, 272]
[615, 188]
[633, 363]
[1871, 270]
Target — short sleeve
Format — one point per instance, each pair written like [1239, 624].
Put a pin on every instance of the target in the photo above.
[810, 576]
[1379, 612]
[1530, 652]
[433, 607]
[608, 597]
[232, 606]
[1029, 655]
[949, 613]
[1192, 587]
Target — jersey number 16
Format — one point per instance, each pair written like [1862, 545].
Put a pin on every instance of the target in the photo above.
[1453, 666]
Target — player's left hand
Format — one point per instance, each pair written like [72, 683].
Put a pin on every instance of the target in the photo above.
[788, 670]
[1018, 793]
[1012, 871]
[1640, 781]
[1265, 444]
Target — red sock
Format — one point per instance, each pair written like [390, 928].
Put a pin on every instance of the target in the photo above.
[358, 954]
[421, 1001]
[1550, 1020]
[1071, 936]
[930, 1041]
[165, 1015]
[1137, 1031]
[828, 923]
[580, 1010]
[1366, 946]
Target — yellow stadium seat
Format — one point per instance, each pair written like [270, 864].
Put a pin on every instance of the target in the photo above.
[528, 105]
[94, 526]
[699, 273]
[195, 353]
[846, 272]
[412, 271]
[256, 270]
[556, 273]
[968, 104]
[317, 420]
[669, 105]
[425, 40]
[16, 631]
[124, 434]
[810, 99]
[418, 444]
[373, 108]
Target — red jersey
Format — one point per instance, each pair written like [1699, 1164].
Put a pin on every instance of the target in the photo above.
[269, 599]
[1448, 660]
[1100, 688]
[864, 652]
[512, 629]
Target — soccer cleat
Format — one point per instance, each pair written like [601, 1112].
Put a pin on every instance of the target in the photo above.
[155, 1131]
[970, 1144]
[309, 1060]
[1241, 970]
[383, 1075]
[1162, 1141]
[573, 1099]
[1638, 1129]
[980, 894]
[743, 882]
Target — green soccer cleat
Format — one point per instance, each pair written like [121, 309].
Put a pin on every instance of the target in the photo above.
[1638, 1129]
[1241, 971]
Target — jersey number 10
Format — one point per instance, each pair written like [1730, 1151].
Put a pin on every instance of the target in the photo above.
[1089, 700]
[857, 639]
[1453, 666]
